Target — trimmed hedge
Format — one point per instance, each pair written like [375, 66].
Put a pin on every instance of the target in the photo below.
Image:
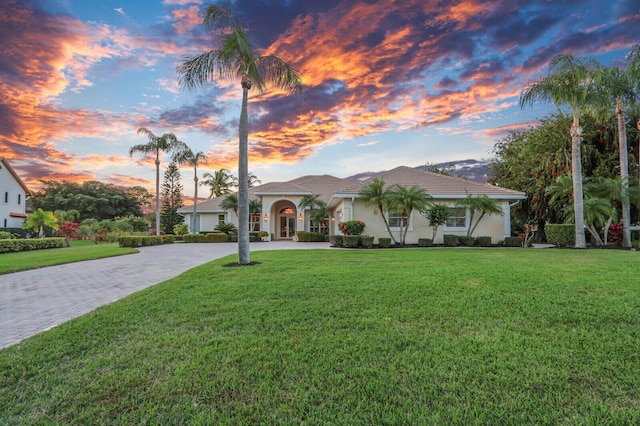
[217, 237]
[336, 240]
[147, 240]
[425, 242]
[451, 240]
[310, 237]
[512, 242]
[384, 242]
[350, 241]
[366, 241]
[483, 241]
[563, 235]
[21, 244]
[467, 241]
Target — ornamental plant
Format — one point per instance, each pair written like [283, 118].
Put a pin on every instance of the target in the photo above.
[352, 227]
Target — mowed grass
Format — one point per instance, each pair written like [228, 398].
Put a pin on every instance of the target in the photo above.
[79, 250]
[417, 336]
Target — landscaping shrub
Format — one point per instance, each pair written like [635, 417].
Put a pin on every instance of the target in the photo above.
[254, 236]
[512, 242]
[217, 237]
[425, 242]
[17, 232]
[384, 242]
[483, 241]
[366, 241]
[21, 244]
[352, 227]
[450, 240]
[201, 238]
[562, 235]
[310, 237]
[5, 235]
[336, 240]
[136, 241]
[189, 238]
[350, 241]
[467, 241]
[168, 239]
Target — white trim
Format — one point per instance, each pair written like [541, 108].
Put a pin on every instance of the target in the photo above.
[459, 228]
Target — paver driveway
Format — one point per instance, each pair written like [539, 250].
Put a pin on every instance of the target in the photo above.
[34, 301]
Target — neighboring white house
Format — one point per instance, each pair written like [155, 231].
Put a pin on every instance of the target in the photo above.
[282, 218]
[13, 194]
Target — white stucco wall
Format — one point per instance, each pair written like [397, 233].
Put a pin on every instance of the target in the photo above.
[12, 199]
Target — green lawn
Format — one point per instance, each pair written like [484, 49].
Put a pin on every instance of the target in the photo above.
[79, 250]
[417, 336]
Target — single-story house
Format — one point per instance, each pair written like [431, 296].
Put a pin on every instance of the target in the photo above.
[13, 193]
[282, 217]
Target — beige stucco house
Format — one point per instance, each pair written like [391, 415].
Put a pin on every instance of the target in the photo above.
[282, 218]
[13, 194]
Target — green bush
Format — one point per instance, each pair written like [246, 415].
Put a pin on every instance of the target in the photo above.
[136, 241]
[16, 232]
[263, 234]
[350, 241]
[310, 237]
[20, 244]
[563, 235]
[450, 240]
[168, 239]
[254, 236]
[384, 242]
[366, 241]
[217, 237]
[425, 242]
[200, 238]
[467, 241]
[336, 240]
[5, 235]
[512, 242]
[483, 241]
[352, 227]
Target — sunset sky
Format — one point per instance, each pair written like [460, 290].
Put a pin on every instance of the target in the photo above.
[387, 83]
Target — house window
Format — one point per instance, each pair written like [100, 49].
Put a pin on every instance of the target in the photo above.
[6, 197]
[457, 218]
[5, 223]
[254, 222]
[221, 218]
[19, 199]
[396, 220]
[323, 228]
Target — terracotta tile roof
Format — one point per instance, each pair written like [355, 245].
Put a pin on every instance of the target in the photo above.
[324, 185]
[6, 164]
[437, 185]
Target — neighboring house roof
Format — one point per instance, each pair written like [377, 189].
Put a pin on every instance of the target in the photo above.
[437, 185]
[209, 206]
[6, 164]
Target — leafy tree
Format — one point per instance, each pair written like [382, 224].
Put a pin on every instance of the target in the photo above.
[39, 219]
[68, 230]
[167, 143]
[171, 199]
[219, 183]
[480, 204]
[143, 197]
[437, 215]
[235, 59]
[567, 83]
[319, 212]
[227, 228]
[406, 200]
[90, 199]
[193, 159]
[375, 193]
[230, 202]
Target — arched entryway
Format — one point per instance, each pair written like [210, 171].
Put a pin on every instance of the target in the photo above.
[286, 222]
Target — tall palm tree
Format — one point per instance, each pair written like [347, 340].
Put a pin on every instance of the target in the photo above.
[616, 88]
[481, 204]
[252, 180]
[193, 159]
[167, 143]
[375, 193]
[235, 59]
[219, 183]
[255, 208]
[319, 210]
[567, 83]
[406, 200]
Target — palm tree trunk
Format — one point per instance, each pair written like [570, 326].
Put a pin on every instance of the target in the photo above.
[157, 195]
[195, 202]
[576, 170]
[243, 184]
[386, 224]
[624, 175]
